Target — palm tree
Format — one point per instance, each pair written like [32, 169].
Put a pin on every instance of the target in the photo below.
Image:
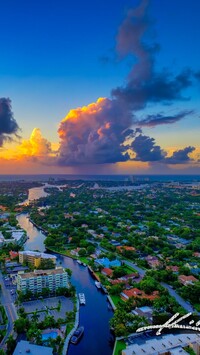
[35, 317]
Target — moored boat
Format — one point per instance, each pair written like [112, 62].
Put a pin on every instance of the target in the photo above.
[77, 335]
[97, 284]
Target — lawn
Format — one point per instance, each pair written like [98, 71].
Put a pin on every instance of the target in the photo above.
[120, 345]
[116, 299]
[84, 260]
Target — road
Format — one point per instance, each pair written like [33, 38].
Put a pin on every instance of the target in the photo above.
[134, 266]
[186, 305]
[7, 302]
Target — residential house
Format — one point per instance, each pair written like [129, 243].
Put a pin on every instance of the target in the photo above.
[153, 261]
[107, 272]
[187, 280]
[136, 293]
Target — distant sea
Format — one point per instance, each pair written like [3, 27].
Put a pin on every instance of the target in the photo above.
[132, 178]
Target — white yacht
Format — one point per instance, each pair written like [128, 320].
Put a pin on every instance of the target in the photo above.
[97, 284]
[81, 298]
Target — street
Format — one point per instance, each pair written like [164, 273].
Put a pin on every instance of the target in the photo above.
[186, 305]
[7, 302]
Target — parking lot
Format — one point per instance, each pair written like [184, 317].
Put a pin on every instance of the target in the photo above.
[45, 307]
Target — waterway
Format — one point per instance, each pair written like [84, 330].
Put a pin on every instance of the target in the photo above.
[95, 315]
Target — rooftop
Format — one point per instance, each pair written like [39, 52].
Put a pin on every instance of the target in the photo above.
[35, 273]
[24, 347]
[37, 254]
[159, 344]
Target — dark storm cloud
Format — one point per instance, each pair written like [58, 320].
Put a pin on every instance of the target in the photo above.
[8, 125]
[146, 149]
[159, 88]
[102, 131]
[161, 119]
[180, 156]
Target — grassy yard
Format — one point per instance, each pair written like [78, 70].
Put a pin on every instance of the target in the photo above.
[120, 345]
[116, 299]
[84, 260]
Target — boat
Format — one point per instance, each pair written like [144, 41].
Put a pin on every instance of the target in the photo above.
[79, 262]
[77, 335]
[104, 289]
[84, 264]
[97, 284]
[81, 298]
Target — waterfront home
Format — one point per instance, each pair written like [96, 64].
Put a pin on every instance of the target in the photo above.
[108, 263]
[136, 293]
[107, 272]
[75, 251]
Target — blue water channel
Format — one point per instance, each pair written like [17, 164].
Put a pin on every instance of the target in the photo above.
[95, 315]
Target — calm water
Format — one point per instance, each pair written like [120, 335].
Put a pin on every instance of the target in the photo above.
[36, 237]
[96, 314]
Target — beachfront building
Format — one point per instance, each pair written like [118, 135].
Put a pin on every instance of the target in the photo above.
[34, 258]
[38, 280]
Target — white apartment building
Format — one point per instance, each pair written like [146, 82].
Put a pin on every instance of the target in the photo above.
[37, 280]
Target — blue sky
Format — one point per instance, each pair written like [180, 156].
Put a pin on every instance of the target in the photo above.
[58, 55]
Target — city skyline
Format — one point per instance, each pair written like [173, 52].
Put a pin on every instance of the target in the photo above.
[100, 88]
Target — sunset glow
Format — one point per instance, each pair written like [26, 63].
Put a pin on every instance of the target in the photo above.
[147, 119]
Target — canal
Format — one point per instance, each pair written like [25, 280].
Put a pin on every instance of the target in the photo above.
[95, 315]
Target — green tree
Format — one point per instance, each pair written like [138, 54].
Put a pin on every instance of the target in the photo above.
[11, 344]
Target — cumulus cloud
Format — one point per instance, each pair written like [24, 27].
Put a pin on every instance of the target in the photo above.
[93, 134]
[8, 125]
[36, 147]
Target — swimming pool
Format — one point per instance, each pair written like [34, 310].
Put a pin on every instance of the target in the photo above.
[52, 335]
